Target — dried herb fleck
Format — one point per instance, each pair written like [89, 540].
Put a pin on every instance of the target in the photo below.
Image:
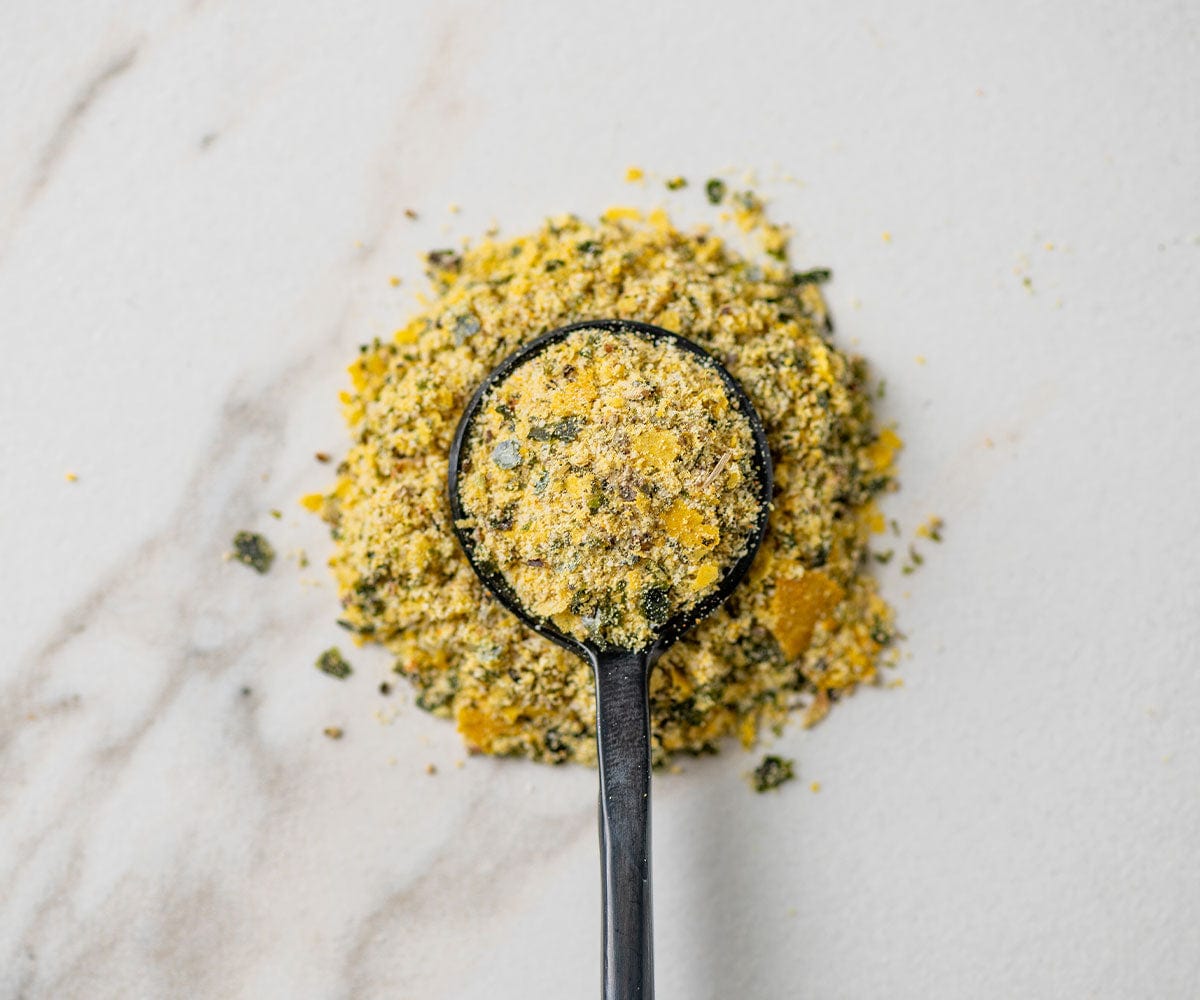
[332, 662]
[676, 183]
[817, 276]
[444, 260]
[715, 189]
[253, 550]
[773, 772]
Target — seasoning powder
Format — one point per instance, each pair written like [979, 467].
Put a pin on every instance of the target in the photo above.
[611, 482]
[805, 625]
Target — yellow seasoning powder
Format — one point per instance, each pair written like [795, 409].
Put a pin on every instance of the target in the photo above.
[611, 482]
[805, 625]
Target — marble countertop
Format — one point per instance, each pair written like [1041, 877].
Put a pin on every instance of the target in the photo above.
[201, 206]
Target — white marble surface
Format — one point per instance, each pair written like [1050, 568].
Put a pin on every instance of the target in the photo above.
[200, 206]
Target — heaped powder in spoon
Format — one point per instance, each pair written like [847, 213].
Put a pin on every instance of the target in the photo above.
[611, 481]
[805, 625]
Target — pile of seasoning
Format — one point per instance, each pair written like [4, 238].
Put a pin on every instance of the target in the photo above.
[611, 482]
[807, 623]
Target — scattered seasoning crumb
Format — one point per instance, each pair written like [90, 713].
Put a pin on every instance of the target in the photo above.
[455, 208]
[634, 174]
[411, 213]
[246, 692]
[773, 772]
[332, 662]
[884, 557]
[895, 526]
[915, 559]
[895, 682]
[70, 477]
[334, 732]
[715, 190]
[301, 559]
[932, 529]
[276, 513]
[887, 237]
[920, 359]
[431, 769]
[1027, 281]
[815, 787]
[881, 392]
[676, 183]
[253, 550]
[394, 281]
[322, 457]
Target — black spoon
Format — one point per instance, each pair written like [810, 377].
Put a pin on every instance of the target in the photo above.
[622, 682]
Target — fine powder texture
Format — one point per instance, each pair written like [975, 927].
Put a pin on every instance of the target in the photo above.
[610, 479]
[805, 625]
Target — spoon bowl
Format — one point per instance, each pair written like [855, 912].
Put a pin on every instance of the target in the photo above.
[621, 675]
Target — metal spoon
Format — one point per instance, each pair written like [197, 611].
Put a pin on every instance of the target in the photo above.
[622, 682]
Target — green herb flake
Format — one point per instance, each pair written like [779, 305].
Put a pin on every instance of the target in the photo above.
[773, 772]
[253, 550]
[590, 247]
[655, 603]
[715, 189]
[676, 183]
[817, 276]
[880, 633]
[566, 429]
[332, 662]
[883, 558]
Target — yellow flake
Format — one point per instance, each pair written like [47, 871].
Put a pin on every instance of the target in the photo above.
[687, 525]
[882, 452]
[619, 212]
[658, 447]
[706, 573]
[798, 606]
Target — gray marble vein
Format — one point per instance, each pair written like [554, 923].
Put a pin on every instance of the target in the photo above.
[65, 128]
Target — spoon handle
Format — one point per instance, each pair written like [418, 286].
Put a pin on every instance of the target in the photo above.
[623, 741]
